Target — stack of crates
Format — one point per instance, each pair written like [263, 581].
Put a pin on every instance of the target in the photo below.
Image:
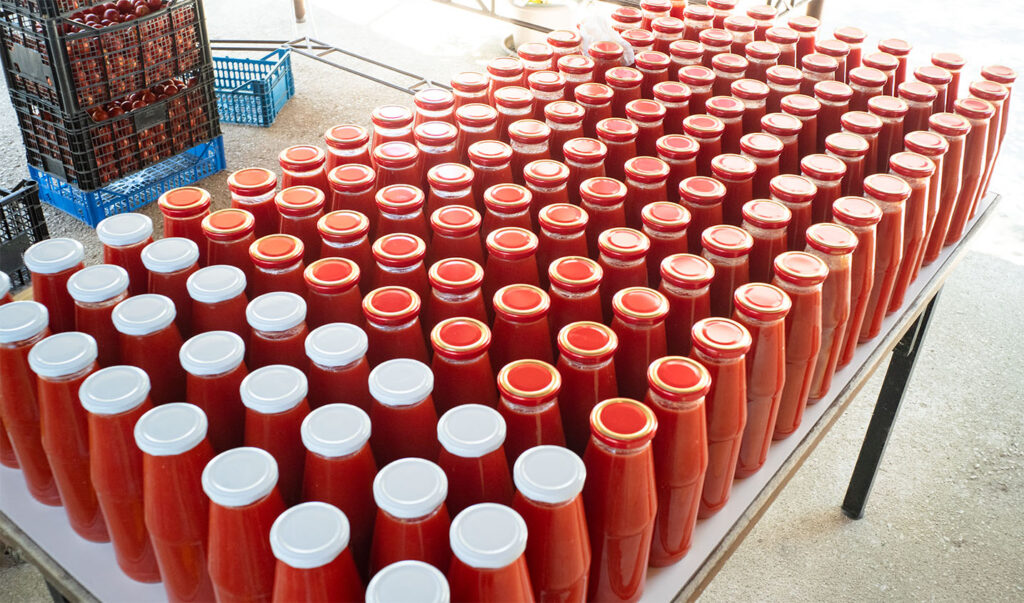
[103, 90]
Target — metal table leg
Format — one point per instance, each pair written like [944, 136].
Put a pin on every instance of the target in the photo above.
[901, 368]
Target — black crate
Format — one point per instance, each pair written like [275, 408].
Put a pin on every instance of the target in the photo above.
[51, 8]
[90, 154]
[74, 71]
[21, 225]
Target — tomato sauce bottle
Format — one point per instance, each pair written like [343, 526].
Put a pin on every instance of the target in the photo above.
[866, 83]
[529, 391]
[1000, 74]
[934, 147]
[596, 100]
[275, 406]
[721, 346]
[834, 98]
[277, 265]
[646, 182]
[806, 109]
[786, 39]
[149, 339]
[244, 502]
[838, 50]
[920, 99]
[891, 111]
[114, 398]
[393, 325]
[436, 141]
[278, 329]
[406, 581]
[456, 234]
[433, 104]
[218, 300]
[861, 217]
[400, 262]
[585, 159]
[998, 96]
[214, 364]
[649, 117]
[868, 126]
[890, 193]
[461, 365]
[761, 309]
[310, 542]
[623, 257]
[547, 87]
[488, 544]
[353, 188]
[170, 262]
[703, 197]
[835, 245]
[827, 174]
[764, 15]
[450, 184]
[587, 368]
[96, 290]
[503, 72]
[338, 368]
[737, 173]
[412, 519]
[51, 263]
[7, 456]
[639, 324]
[469, 87]
[455, 291]
[817, 68]
[403, 410]
[578, 71]
[782, 81]
[852, 150]
[786, 129]
[801, 276]
[679, 152]
[620, 498]
[184, 210]
[917, 171]
[697, 18]
[708, 131]
[729, 68]
[607, 55]
[391, 123]
[563, 232]
[300, 207]
[665, 224]
[472, 455]
[521, 325]
[303, 165]
[398, 162]
[548, 182]
[676, 395]
[400, 209]
[61, 363]
[626, 18]
[654, 66]
[604, 201]
[477, 122]
[944, 75]
[620, 136]
[339, 470]
[565, 119]
[730, 112]
[229, 234]
[980, 114]
[754, 96]
[716, 42]
[761, 56]
[742, 29]
[653, 10]
[686, 284]
[549, 482]
[887, 64]
[530, 141]
[345, 234]
[728, 249]
[254, 189]
[954, 129]
[511, 258]
[491, 162]
[123, 237]
[172, 438]
[797, 193]
[854, 37]
[346, 143]
[333, 292]
[766, 221]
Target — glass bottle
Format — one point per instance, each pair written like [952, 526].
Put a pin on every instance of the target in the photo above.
[766, 221]
[835, 245]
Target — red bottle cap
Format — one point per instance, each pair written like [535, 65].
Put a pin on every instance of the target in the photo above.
[564, 112]
[861, 122]
[833, 91]
[819, 63]
[302, 158]
[652, 60]
[911, 165]
[507, 198]
[917, 92]
[455, 221]
[546, 81]
[593, 94]
[727, 241]
[822, 167]
[546, 173]
[715, 38]
[671, 92]
[624, 243]
[761, 145]
[434, 99]
[762, 12]
[696, 76]
[781, 124]
[605, 50]
[867, 77]
[623, 77]
[732, 167]
[999, 73]
[885, 187]
[724, 107]
[781, 35]
[686, 49]
[739, 23]
[576, 64]
[184, 202]
[856, 211]
[469, 81]
[679, 379]
[476, 115]
[721, 338]
[332, 275]
[603, 191]
[850, 34]
[346, 136]
[762, 50]
[521, 302]
[647, 111]
[926, 143]
[343, 226]
[988, 90]
[564, 38]
[804, 23]
[252, 182]
[616, 129]
[396, 154]
[640, 305]
[974, 108]
[698, 12]
[638, 38]
[728, 62]
[687, 271]
[668, 25]
[391, 305]
[460, 338]
[833, 48]
[830, 238]
[656, 6]
[535, 51]
[881, 61]
[228, 224]
[300, 201]
[800, 268]
[513, 97]
[435, 133]
[934, 75]
[400, 200]
[784, 75]
[529, 382]
[677, 147]
[575, 273]
[490, 153]
[456, 275]
[748, 89]
[399, 250]
[949, 60]
[352, 178]
[800, 105]
[703, 127]
[649, 170]
[793, 189]
[665, 216]
[276, 251]
[587, 342]
[621, 422]
[562, 218]
[391, 116]
[450, 177]
[761, 301]
[767, 214]
[895, 47]
[511, 243]
[505, 67]
[701, 190]
[584, 150]
[846, 144]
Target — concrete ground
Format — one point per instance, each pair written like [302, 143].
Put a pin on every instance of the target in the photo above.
[943, 521]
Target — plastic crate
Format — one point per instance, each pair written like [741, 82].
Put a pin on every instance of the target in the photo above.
[21, 225]
[72, 68]
[253, 91]
[91, 154]
[51, 8]
[135, 191]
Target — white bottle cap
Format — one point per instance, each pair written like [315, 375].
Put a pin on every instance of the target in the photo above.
[124, 229]
[277, 311]
[336, 430]
[240, 476]
[215, 283]
[98, 283]
[471, 430]
[170, 255]
[273, 389]
[488, 536]
[407, 581]
[62, 354]
[170, 429]
[5, 284]
[54, 255]
[22, 320]
[114, 390]
[212, 353]
[144, 314]
[410, 488]
[401, 382]
[309, 535]
[549, 474]
[336, 344]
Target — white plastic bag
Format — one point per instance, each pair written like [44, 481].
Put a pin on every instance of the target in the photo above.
[596, 27]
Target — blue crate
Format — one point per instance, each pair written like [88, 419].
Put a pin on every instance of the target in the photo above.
[253, 91]
[135, 191]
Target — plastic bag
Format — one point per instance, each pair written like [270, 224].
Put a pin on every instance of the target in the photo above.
[595, 26]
